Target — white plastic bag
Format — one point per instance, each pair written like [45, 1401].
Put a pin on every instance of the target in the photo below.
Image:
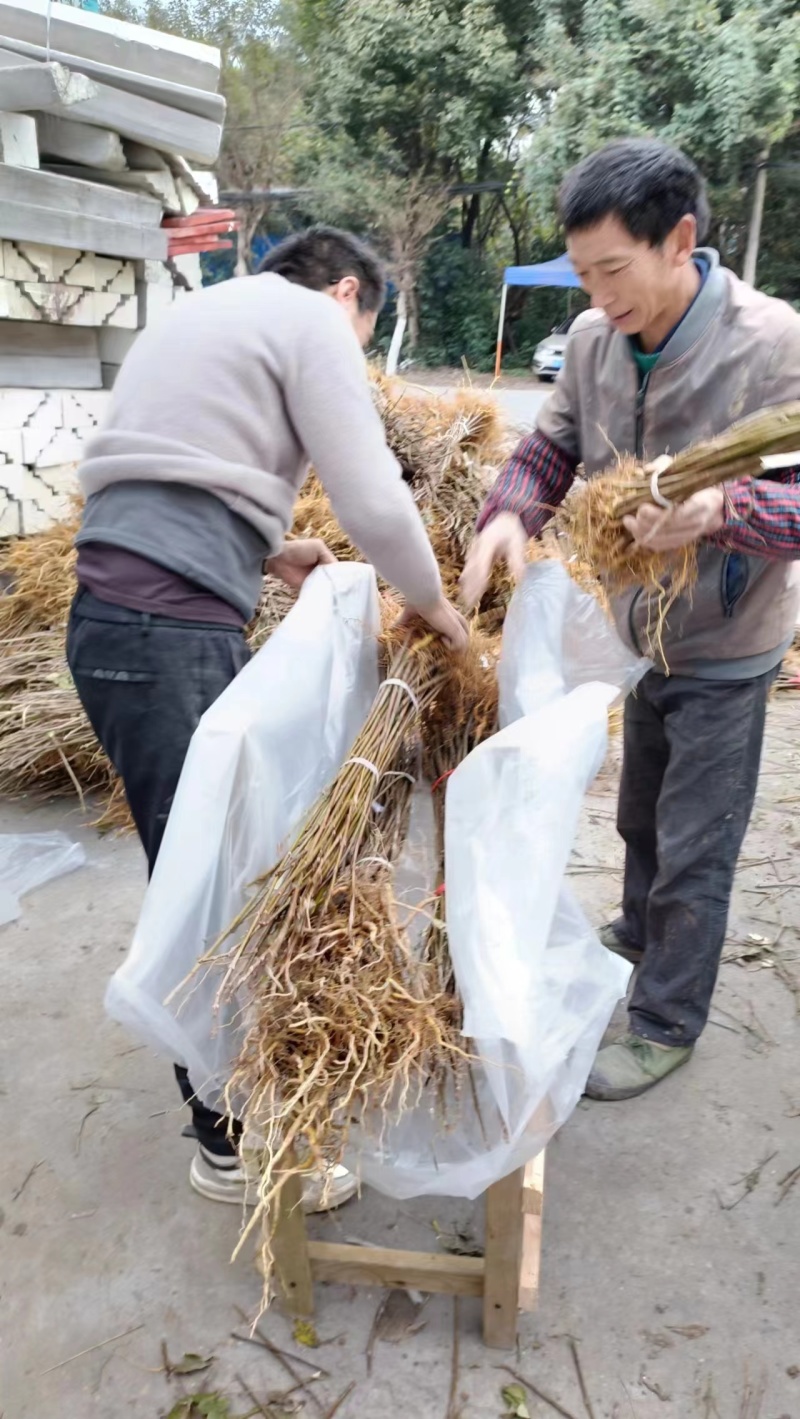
[538, 988]
[28, 860]
[258, 760]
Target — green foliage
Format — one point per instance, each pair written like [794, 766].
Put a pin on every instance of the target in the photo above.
[720, 80]
[380, 107]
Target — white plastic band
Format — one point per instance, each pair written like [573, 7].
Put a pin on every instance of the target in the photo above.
[656, 493]
[398, 773]
[402, 685]
[381, 862]
[364, 764]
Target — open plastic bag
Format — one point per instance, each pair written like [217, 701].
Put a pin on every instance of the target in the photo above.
[28, 860]
[538, 988]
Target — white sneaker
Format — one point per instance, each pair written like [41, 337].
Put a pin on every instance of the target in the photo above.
[229, 1180]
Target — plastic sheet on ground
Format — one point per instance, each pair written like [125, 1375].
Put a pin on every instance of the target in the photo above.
[538, 988]
[28, 860]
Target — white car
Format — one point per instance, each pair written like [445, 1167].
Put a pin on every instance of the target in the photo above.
[548, 357]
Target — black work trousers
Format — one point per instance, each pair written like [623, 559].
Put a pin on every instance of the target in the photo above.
[145, 682]
[691, 757]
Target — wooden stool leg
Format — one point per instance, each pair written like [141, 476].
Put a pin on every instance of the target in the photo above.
[502, 1261]
[290, 1250]
[532, 1201]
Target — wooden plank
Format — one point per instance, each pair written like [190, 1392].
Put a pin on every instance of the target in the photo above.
[70, 195]
[21, 408]
[47, 358]
[190, 100]
[530, 1263]
[142, 158]
[43, 448]
[10, 517]
[23, 222]
[533, 1186]
[12, 479]
[47, 301]
[110, 41]
[10, 448]
[114, 344]
[51, 88]
[385, 1266]
[29, 85]
[114, 275]
[31, 371]
[290, 1250]
[32, 261]
[79, 143]
[18, 146]
[161, 184]
[504, 1218]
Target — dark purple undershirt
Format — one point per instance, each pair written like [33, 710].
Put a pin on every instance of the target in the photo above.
[125, 579]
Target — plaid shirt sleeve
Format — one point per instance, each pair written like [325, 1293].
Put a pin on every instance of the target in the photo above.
[536, 478]
[762, 516]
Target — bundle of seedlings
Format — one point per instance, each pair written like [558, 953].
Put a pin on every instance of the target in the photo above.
[348, 1013]
[593, 516]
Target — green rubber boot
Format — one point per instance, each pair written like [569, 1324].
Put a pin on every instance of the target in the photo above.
[612, 940]
[631, 1066]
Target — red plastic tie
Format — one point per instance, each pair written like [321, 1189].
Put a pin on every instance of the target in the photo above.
[441, 780]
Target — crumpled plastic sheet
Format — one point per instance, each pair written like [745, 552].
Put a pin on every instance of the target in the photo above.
[27, 861]
[538, 988]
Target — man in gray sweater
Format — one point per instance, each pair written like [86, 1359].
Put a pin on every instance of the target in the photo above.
[190, 488]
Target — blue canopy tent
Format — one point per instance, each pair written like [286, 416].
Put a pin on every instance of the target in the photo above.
[548, 273]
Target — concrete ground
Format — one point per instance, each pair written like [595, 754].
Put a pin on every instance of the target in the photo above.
[670, 1223]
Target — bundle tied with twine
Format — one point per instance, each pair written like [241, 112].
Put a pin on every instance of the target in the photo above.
[592, 518]
[346, 1021]
[448, 448]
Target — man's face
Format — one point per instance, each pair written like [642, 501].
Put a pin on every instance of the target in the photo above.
[363, 322]
[633, 282]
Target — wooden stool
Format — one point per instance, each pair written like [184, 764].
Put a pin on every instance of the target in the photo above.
[506, 1276]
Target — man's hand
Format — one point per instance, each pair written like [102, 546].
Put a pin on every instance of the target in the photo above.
[442, 618]
[297, 560]
[668, 529]
[503, 540]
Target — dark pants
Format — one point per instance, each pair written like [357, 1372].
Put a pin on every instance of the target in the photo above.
[145, 682]
[690, 769]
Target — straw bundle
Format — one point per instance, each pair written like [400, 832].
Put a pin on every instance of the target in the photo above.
[345, 1021]
[592, 518]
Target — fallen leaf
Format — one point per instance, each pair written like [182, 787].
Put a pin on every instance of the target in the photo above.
[305, 1334]
[181, 1410]
[515, 1400]
[793, 1371]
[192, 1364]
[212, 1406]
[689, 1332]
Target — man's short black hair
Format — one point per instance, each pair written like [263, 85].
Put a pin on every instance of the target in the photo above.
[645, 184]
[321, 256]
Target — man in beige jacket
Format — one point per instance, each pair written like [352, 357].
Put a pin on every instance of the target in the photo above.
[675, 349]
[190, 487]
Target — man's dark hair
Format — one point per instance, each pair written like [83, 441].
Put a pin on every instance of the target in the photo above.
[645, 184]
[321, 256]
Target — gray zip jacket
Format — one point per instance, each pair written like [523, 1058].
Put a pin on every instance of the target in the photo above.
[735, 351]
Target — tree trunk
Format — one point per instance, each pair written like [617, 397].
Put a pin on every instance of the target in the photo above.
[756, 217]
[412, 300]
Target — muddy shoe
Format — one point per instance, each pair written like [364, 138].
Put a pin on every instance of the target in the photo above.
[612, 938]
[632, 1065]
